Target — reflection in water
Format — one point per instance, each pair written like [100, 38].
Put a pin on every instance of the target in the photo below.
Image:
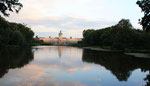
[14, 58]
[60, 50]
[147, 79]
[77, 67]
[119, 64]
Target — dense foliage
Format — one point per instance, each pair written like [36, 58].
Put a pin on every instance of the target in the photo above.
[121, 36]
[9, 5]
[145, 21]
[14, 34]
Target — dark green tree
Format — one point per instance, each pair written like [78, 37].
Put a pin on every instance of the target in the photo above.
[145, 21]
[10, 5]
[4, 32]
[123, 34]
[17, 38]
[120, 36]
[87, 34]
[14, 34]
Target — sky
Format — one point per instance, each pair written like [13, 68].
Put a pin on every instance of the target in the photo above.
[47, 17]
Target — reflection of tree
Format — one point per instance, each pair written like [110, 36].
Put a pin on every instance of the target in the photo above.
[119, 64]
[14, 58]
[147, 79]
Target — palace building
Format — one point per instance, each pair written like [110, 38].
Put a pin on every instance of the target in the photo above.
[60, 40]
[60, 35]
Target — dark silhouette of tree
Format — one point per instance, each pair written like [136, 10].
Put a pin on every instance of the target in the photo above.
[119, 64]
[145, 21]
[14, 34]
[10, 5]
[11, 58]
[87, 36]
[147, 79]
[120, 36]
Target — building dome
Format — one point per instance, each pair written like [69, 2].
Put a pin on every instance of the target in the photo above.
[60, 33]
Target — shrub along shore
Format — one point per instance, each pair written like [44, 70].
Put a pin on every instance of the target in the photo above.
[15, 35]
[122, 36]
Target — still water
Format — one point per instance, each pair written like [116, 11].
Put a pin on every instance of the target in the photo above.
[71, 66]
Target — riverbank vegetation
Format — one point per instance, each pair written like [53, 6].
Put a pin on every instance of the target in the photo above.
[15, 34]
[120, 36]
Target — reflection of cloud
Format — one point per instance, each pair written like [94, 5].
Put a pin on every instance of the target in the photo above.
[86, 67]
[79, 68]
[71, 58]
[48, 83]
[48, 70]
[73, 69]
[37, 67]
[34, 75]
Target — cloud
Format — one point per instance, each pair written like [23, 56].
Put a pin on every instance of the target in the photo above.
[42, 28]
[71, 26]
[48, 17]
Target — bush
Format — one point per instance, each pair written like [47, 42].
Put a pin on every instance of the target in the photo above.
[14, 34]
[121, 36]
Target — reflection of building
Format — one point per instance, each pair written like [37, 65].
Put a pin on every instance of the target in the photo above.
[60, 49]
[60, 40]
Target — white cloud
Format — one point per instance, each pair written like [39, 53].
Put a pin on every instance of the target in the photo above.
[41, 28]
[70, 26]
[73, 16]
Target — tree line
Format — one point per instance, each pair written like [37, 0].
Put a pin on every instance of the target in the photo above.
[120, 36]
[14, 34]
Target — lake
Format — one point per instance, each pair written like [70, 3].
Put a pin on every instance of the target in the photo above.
[71, 66]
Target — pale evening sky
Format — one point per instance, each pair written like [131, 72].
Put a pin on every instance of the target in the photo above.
[48, 17]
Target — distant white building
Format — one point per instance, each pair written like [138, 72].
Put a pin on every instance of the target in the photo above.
[60, 40]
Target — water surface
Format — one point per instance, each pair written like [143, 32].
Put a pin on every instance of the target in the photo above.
[71, 66]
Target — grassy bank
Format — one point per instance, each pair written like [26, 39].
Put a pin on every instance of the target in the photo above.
[126, 50]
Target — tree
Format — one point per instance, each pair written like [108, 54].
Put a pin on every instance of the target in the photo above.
[87, 34]
[145, 21]
[17, 38]
[125, 24]
[14, 34]
[10, 5]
